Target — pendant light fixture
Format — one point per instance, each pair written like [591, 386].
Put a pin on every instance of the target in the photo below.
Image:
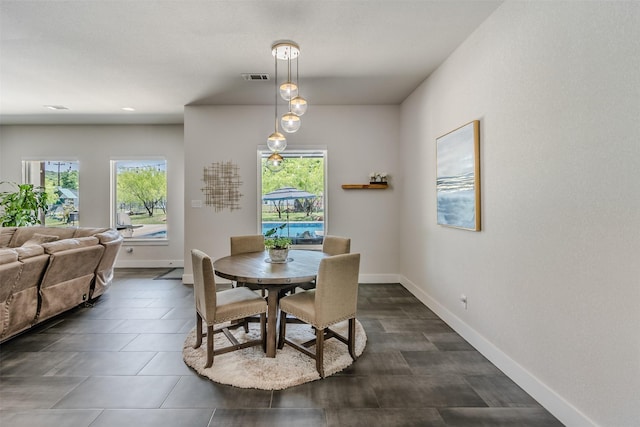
[289, 51]
[275, 162]
[297, 104]
[285, 50]
[288, 90]
[276, 141]
[290, 122]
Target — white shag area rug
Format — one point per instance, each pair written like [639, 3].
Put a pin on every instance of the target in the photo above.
[251, 368]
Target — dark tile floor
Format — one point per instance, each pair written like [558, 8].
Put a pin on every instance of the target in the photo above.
[119, 363]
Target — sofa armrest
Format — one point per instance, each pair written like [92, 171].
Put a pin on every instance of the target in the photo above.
[111, 240]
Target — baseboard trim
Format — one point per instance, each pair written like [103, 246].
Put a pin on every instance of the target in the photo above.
[378, 278]
[548, 398]
[153, 263]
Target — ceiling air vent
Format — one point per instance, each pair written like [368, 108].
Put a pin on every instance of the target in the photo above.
[255, 76]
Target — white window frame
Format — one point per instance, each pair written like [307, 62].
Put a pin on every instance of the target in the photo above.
[31, 176]
[290, 152]
[137, 241]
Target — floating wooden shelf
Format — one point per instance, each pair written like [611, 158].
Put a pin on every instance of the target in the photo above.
[364, 186]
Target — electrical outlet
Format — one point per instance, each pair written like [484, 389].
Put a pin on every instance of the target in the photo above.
[463, 300]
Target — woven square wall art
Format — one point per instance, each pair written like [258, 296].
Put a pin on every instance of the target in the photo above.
[222, 186]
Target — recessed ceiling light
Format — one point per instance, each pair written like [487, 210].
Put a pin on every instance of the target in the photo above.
[128, 109]
[55, 107]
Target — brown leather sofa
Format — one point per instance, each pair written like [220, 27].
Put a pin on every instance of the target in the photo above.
[45, 271]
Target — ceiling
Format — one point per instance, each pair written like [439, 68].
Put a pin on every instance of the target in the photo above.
[95, 57]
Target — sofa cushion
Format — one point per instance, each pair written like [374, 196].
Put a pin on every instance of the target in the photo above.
[38, 239]
[23, 234]
[67, 244]
[88, 231]
[87, 241]
[8, 255]
[60, 245]
[6, 233]
[29, 251]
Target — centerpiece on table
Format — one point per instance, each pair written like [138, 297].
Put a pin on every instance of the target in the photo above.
[277, 246]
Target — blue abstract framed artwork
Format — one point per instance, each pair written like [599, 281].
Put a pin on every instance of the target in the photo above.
[458, 177]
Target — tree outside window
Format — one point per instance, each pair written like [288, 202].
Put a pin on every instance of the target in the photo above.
[141, 198]
[302, 207]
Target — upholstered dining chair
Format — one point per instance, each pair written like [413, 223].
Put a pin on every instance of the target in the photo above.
[336, 245]
[247, 243]
[333, 245]
[215, 307]
[244, 244]
[334, 300]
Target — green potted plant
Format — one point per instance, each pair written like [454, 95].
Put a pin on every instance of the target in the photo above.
[278, 246]
[23, 206]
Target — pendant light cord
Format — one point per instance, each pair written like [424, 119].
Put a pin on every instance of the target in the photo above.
[289, 78]
[275, 100]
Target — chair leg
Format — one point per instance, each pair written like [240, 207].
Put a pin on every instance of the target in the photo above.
[263, 331]
[352, 339]
[209, 346]
[320, 352]
[282, 330]
[198, 331]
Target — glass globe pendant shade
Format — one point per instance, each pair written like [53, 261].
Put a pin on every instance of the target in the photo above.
[288, 90]
[290, 122]
[275, 162]
[298, 105]
[276, 142]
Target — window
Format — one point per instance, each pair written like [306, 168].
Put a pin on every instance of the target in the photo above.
[140, 198]
[295, 195]
[60, 178]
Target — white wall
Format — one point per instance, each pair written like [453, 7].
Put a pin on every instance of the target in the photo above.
[94, 147]
[359, 139]
[553, 280]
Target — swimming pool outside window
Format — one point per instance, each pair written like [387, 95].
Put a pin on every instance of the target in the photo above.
[294, 196]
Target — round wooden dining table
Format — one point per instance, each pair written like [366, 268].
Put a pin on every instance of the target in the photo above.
[257, 269]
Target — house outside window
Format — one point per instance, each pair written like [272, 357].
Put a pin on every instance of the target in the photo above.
[61, 181]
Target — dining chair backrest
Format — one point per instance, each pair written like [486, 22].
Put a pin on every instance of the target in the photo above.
[335, 245]
[336, 294]
[204, 286]
[248, 243]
